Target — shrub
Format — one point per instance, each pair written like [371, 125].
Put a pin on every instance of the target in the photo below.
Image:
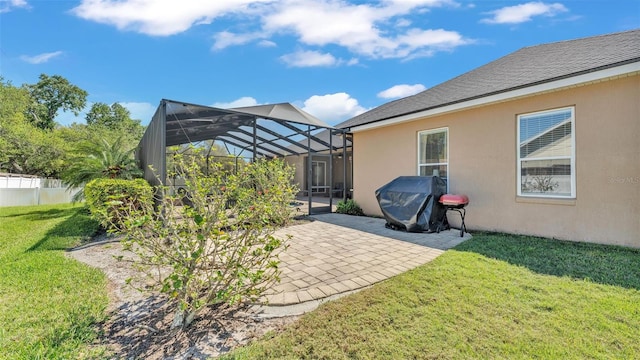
[349, 207]
[107, 200]
[214, 243]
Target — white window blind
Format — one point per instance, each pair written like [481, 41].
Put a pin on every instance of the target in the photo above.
[546, 148]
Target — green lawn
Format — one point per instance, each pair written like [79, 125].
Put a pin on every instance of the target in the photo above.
[48, 302]
[493, 297]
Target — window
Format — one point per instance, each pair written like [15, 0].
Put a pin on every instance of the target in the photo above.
[546, 154]
[319, 176]
[433, 153]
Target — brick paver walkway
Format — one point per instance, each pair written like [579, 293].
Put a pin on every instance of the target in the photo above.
[339, 253]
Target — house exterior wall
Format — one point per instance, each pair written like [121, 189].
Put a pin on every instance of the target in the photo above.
[298, 164]
[483, 163]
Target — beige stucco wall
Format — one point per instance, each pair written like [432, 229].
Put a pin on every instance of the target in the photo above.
[298, 163]
[482, 164]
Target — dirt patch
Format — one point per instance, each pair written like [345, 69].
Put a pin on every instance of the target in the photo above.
[139, 323]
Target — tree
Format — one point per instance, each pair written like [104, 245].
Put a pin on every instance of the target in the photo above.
[26, 149]
[51, 94]
[100, 113]
[102, 159]
[115, 119]
[31, 146]
[14, 103]
[112, 117]
[23, 147]
[76, 133]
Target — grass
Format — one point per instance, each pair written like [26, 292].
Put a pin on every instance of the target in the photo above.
[493, 297]
[48, 303]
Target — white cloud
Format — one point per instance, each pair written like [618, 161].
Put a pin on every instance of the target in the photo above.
[142, 111]
[363, 29]
[410, 4]
[418, 43]
[373, 30]
[524, 12]
[332, 108]
[267, 43]
[352, 61]
[438, 38]
[403, 23]
[240, 102]
[41, 58]
[309, 59]
[225, 39]
[400, 91]
[159, 17]
[9, 5]
[324, 22]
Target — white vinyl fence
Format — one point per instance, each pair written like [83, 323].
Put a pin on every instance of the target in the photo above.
[22, 190]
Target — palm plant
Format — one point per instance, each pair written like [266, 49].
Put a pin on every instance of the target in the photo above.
[101, 159]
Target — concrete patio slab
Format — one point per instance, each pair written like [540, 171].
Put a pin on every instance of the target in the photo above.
[336, 254]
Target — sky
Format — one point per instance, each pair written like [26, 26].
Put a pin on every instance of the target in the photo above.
[332, 58]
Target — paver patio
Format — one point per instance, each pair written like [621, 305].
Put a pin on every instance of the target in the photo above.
[339, 253]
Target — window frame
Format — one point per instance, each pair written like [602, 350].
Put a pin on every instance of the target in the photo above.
[319, 188]
[419, 143]
[571, 157]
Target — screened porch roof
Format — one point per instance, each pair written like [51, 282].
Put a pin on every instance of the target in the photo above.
[280, 129]
[273, 130]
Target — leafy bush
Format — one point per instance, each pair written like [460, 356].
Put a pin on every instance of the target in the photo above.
[214, 243]
[349, 207]
[107, 200]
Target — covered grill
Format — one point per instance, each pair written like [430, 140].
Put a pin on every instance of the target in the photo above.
[411, 203]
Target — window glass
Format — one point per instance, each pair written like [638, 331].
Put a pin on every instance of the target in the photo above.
[546, 153]
[431, 170]
[433, 147]
[433, 153]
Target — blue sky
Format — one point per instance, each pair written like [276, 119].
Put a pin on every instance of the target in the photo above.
[334, 59]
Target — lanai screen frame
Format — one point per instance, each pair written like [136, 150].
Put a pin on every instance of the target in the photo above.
[170, 126]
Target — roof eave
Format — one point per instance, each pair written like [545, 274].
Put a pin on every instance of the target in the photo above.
[625, 69]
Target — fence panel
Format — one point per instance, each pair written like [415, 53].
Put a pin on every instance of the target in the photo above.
[18, 197]
[19, 182]
[35, 196]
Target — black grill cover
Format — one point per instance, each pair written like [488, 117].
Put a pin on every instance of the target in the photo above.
[410, 203]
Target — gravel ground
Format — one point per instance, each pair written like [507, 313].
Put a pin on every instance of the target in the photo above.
[139, 323]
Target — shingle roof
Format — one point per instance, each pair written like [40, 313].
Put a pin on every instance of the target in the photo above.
[526, 67]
